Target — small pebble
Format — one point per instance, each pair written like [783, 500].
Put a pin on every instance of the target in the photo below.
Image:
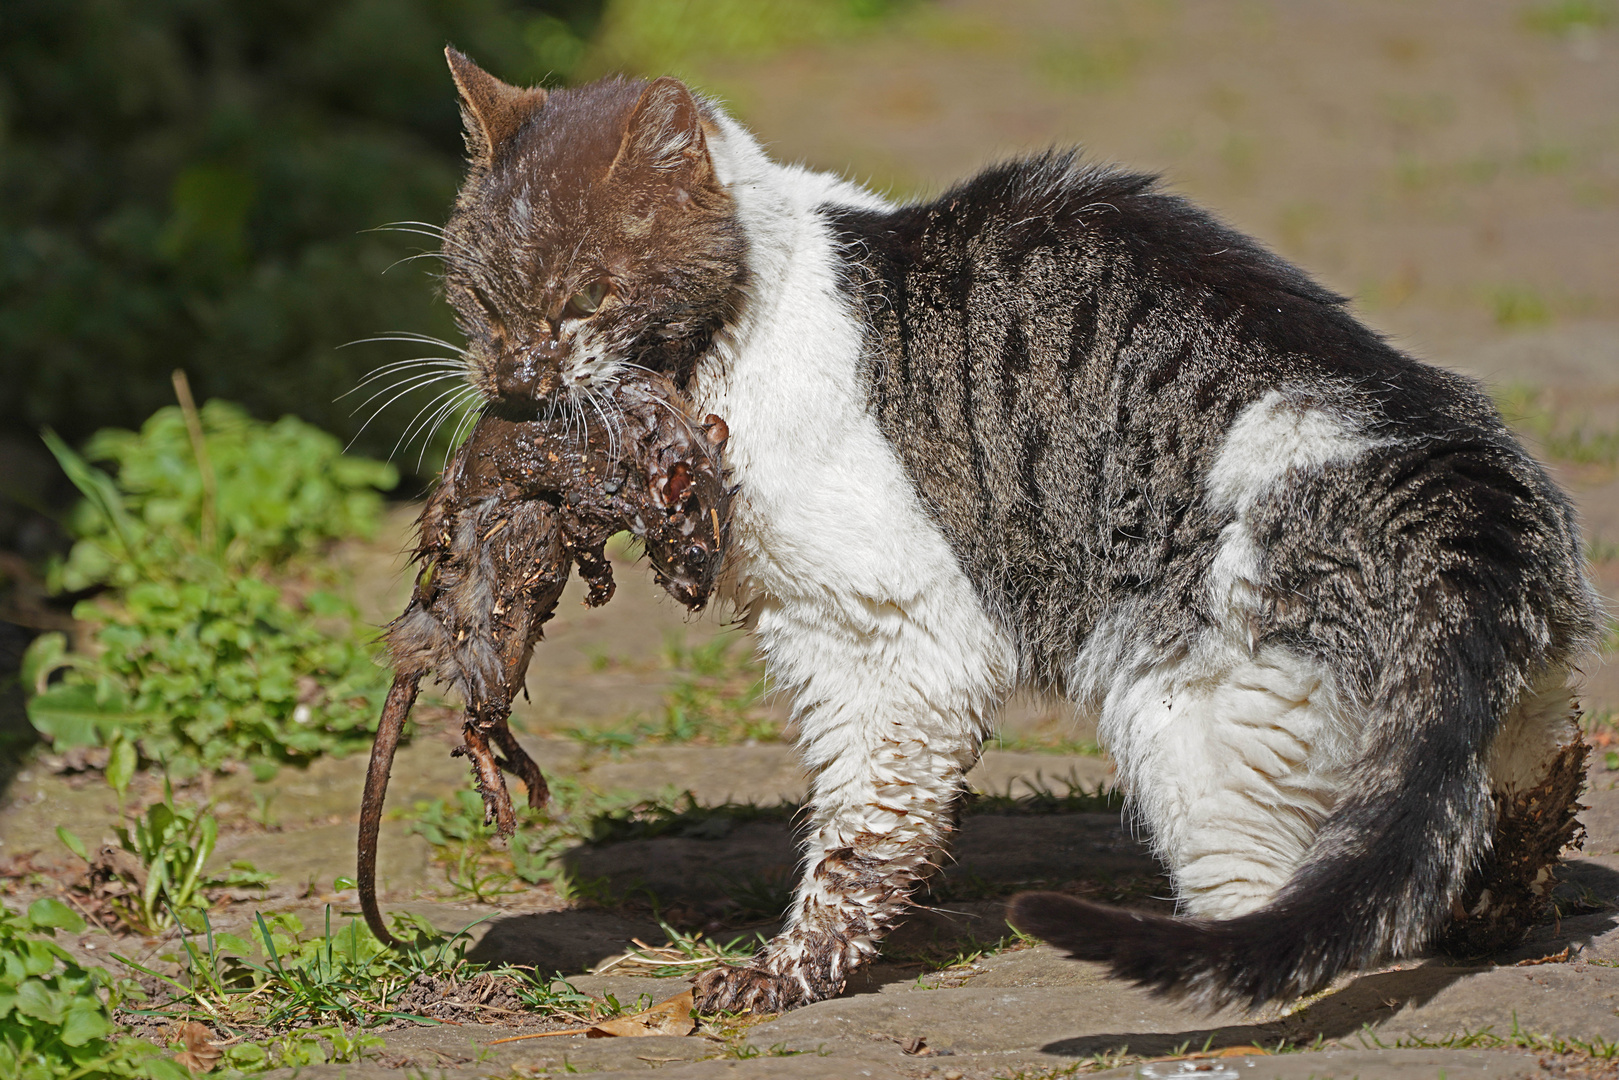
[953, 1074]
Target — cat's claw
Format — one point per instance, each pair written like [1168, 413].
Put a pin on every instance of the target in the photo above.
[729, 988]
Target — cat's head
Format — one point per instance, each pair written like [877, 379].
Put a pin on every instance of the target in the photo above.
[591, 234]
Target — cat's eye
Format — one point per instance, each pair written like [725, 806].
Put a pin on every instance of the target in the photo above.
[588, 299]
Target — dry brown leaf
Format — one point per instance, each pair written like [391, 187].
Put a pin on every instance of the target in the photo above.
[200, 1054]
[672, 1017]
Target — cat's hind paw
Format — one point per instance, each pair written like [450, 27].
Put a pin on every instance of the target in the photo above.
[729, 988]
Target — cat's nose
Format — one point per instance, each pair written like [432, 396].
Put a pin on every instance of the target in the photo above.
[528, 374]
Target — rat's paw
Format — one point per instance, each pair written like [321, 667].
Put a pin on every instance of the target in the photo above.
[750, 989]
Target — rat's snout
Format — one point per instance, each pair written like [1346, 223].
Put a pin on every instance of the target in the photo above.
[531, 373]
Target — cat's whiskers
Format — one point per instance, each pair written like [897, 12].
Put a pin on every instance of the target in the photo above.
[406, 383]
[421, 363]
[463, 427]
[432, 233]
[576, 411]
[431, 409]
[380, 409]
[412, 337]
[413, 226]
[684, 419]
[609, 423]
[458, 402]
[419, 255]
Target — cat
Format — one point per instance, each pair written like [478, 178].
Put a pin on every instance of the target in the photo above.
[1054, 429]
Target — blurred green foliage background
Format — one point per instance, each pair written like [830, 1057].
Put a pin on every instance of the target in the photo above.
[197, 183]
[189, 183]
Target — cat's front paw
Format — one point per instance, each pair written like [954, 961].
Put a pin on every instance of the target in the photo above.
[728, 988]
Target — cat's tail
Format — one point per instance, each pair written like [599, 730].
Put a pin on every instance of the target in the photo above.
[1384, 873]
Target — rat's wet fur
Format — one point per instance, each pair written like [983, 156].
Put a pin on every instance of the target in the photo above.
[522, 503]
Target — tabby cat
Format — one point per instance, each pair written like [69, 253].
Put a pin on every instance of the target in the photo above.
[1058, 430]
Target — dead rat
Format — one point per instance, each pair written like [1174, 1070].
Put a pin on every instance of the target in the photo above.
[521, 503]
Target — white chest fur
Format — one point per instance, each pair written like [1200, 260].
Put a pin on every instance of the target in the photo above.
[858, 600]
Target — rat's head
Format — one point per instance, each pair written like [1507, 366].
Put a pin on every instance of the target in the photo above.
[591, 235]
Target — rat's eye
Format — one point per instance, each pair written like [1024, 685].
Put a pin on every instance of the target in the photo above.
[587, 300]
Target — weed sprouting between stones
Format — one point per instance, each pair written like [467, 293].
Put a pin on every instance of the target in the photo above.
[952, 962]
[157, 874]
[281, 978]
[684, 955]
[1043, 798]
[742, 1051]
[478, 865]
[1485, 1038]
[1533, 413]
[715, 700]
[283, 989]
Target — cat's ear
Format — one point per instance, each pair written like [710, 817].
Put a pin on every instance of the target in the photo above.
[666, 133]
[491, 110]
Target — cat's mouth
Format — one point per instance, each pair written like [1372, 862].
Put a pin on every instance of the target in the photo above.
[519, 409]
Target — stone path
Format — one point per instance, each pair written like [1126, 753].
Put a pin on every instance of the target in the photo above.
[1024, 1011]
[1450, 165]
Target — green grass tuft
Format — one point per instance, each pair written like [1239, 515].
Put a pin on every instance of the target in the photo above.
[1533, 413]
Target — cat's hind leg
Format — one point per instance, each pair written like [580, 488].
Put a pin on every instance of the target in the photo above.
[1232, 760]
[1537, 773]
[892, 703]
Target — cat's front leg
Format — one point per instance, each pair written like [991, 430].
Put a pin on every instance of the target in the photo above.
[869, 850]
[890, 718]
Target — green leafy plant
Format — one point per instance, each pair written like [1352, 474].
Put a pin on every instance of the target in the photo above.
[468, 849]
[165, 877]
[55, 1015]
[213, 641]
[217, 485]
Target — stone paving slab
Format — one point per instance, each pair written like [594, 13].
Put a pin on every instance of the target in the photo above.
[995, 848]
[1037, 1008]
[602, 1059]
[1343, 1065]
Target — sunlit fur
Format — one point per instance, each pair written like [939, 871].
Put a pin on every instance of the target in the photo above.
[1058, 430]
